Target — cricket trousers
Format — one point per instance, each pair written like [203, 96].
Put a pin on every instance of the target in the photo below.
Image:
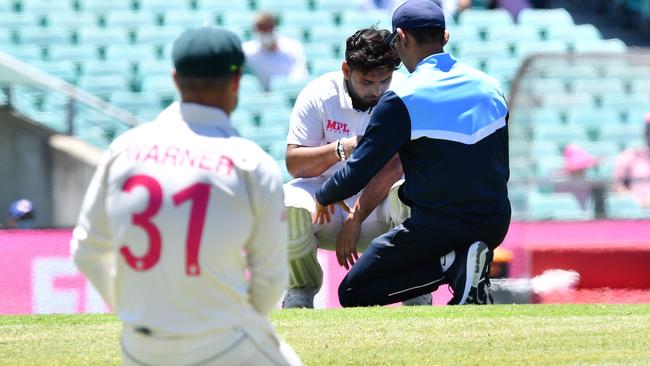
[228, 347]
[406, 261]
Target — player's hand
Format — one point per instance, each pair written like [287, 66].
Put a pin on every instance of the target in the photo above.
[323, 213]
[346, 242]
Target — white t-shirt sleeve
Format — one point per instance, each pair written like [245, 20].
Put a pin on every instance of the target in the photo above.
[266, 251]
[306, 127]
[91, 245]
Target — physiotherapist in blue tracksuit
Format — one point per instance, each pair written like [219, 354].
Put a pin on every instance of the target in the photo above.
[448, 123]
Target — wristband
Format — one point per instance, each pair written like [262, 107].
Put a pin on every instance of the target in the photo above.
[340, 150]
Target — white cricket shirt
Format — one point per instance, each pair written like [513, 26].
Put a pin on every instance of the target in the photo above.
[177, 211]
[323, 113]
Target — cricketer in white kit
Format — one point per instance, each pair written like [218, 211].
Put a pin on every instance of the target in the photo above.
[177, 212]
[329, 115]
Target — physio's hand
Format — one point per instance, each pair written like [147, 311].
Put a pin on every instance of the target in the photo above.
[322, 214]
[346, 242]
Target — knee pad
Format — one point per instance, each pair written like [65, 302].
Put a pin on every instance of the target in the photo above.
[304, 269]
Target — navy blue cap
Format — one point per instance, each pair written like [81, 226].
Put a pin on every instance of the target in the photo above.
[207, 52]
[414, 14]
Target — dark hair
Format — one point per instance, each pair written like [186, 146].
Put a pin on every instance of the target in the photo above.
[365, 51]
[427, 35]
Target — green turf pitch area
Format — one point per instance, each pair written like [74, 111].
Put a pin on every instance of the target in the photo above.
[470, 335]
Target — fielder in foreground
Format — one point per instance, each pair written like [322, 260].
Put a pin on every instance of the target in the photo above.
[176, 213]
[326, 122]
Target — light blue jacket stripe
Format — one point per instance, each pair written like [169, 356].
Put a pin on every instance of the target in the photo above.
[442, 101]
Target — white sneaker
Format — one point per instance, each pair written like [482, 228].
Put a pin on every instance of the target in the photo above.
[299, 297]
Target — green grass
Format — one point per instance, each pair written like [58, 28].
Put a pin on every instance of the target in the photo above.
[470, 335]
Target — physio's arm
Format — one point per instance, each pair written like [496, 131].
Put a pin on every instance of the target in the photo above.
[377, 189]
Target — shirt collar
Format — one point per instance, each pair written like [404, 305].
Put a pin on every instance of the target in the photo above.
[441, 61]
[198, 114]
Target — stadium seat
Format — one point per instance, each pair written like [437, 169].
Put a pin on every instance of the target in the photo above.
[44, 37]
[288, 87]
[481, 50]
[103, 6]
[242, 118]
[135, 102]
[162, 6]
[621, 133]
[597, 86]
[132, 53]
[275, 117]
[303, 19]
[117, 68]
[238, 20]
[600, 149]
[17, 21]
[44, 7]
[543, 87]
[94, 36]
[188, 18]
[65, 70]
[281, 6]
[315, 51]
[484, 18]
[103, 86]
[331, 6]
[513, 34]
[561, 134]
[600, 46]
[460, 35]
[593, 118]
[365, 19]
[641, 86]
[555, 206]
[72, 21]
[624, 207]
[250, 84]
[260, 102]
[154, 67]
[323, 66]
[129, 19]
[570, 72]
[278, 150]
[637, 115]
[162, 85]
[525, 49]
[326, 35]
[73, 53]
[25, 53]
[223, 6]
[624, 102]
[573, 33]
[567, 101]
[545, 18]
[151, 34]
[6, 38]
[544, 148]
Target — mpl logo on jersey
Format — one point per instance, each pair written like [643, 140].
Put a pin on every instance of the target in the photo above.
[338, 127]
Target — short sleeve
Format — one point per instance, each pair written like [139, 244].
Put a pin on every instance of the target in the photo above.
[306, 126]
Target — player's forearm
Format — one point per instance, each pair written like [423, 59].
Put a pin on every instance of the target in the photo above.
[377, 189]
[307, 162]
